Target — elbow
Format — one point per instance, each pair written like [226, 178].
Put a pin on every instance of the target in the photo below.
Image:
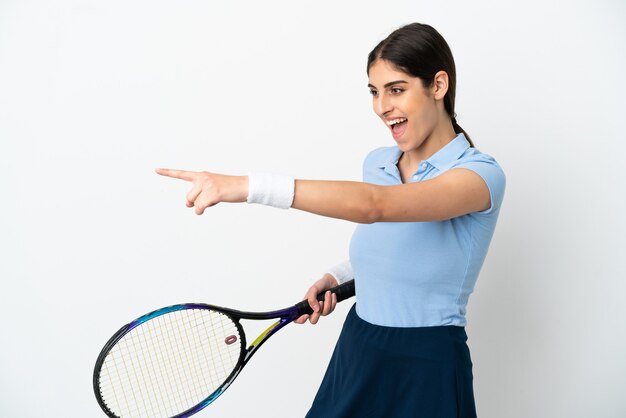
[373, 210]
[370, 216]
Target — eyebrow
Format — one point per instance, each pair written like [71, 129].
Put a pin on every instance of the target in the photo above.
[391, 83]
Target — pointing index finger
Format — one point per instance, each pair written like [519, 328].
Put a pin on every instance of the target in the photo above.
[177, 174]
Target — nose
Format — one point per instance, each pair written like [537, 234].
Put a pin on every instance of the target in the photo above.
[382, 105]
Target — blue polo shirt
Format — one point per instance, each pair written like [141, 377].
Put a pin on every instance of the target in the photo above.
[419, 274]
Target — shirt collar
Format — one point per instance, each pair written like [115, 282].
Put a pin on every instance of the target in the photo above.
[441, 160]
[450, 153]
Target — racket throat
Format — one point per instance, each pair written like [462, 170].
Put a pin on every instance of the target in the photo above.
[264, 336]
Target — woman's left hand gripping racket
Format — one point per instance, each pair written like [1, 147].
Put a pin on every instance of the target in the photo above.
[175, 361]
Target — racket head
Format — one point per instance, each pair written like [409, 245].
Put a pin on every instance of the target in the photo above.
[171, 362]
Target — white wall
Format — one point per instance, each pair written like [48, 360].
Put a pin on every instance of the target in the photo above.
[95, 94]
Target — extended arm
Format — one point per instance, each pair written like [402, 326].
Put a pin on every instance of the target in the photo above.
[453, 193]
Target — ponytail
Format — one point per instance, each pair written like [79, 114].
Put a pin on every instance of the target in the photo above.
[459, 130]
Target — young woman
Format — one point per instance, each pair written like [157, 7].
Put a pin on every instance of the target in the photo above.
[426, 209]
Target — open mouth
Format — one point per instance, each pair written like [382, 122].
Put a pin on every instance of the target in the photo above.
[397, 126]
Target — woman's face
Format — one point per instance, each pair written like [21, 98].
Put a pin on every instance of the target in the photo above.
[405, 106]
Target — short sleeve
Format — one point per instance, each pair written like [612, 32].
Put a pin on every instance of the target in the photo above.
[490, 171]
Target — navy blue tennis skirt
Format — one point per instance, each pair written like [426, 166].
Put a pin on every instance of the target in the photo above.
[390, 372]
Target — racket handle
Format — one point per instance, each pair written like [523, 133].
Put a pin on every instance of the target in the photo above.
[343, 291]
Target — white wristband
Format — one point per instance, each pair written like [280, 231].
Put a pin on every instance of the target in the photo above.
[342, 272]
[271, 189]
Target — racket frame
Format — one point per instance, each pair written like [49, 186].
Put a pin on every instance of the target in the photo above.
[284, 316]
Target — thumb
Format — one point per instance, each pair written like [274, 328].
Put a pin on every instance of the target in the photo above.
[312, 299]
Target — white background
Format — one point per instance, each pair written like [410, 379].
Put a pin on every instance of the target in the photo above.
[95, 94]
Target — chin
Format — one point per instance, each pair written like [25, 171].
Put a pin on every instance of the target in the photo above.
[403, 146]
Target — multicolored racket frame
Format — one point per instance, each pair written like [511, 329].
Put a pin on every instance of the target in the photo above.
[170, 344]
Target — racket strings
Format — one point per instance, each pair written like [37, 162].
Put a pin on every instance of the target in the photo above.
[169, 364]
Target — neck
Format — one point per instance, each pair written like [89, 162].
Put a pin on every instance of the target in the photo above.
[438, 139]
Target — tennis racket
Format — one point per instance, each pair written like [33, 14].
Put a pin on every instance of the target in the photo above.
[175, 361]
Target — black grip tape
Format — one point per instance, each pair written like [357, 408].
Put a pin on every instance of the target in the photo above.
[343, 291]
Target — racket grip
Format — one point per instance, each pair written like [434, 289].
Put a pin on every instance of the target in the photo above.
[343, 291]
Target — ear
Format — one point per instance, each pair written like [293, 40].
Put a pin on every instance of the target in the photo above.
[440, 85]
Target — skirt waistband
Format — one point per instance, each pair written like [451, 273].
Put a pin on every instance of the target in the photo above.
[443, 342]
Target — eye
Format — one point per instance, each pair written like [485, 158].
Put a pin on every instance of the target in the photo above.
[373, 93]
[396, 90]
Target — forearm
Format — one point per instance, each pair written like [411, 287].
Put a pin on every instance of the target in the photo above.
[368, 203]
[349, 200]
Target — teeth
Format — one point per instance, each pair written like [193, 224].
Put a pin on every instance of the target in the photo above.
[393, 122]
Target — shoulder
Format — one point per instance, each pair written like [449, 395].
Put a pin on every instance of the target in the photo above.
[473, 158]
[488, 169]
